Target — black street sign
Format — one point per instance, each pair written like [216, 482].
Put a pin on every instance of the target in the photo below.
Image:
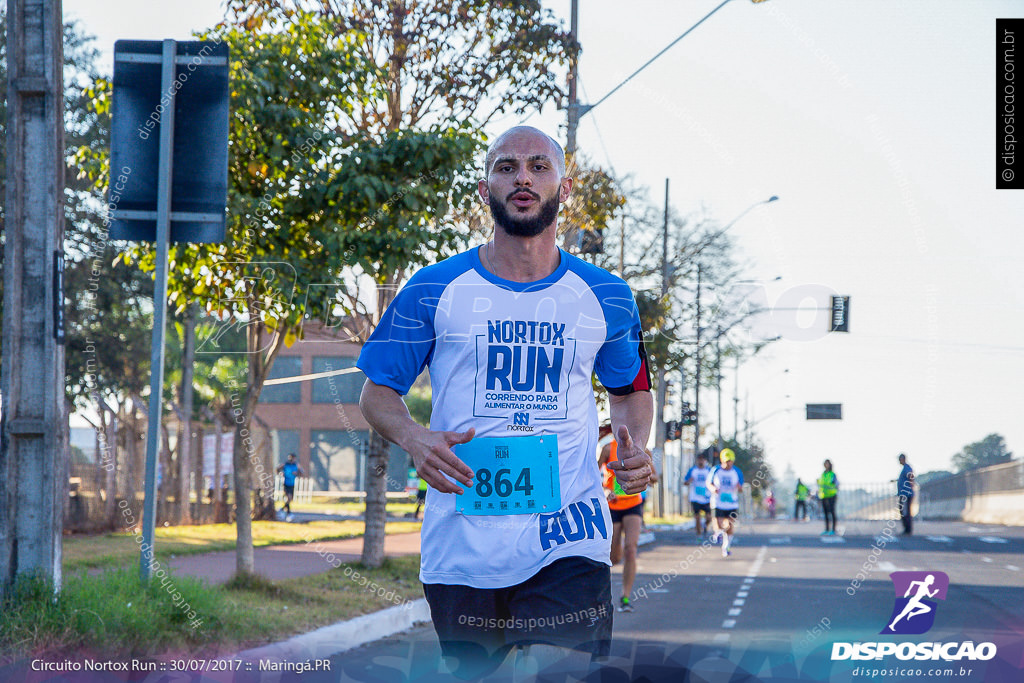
[824, 411]
[198, 95]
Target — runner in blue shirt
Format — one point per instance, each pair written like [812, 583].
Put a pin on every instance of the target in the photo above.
[697, 479]
[290, 469]
[515, 544]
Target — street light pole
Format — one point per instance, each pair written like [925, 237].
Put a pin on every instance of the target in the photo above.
[736, 403]
[576, 110]
[718, 382]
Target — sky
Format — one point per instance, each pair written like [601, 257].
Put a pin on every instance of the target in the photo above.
[874, 124]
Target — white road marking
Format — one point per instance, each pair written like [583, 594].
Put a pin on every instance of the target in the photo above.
[749, 579]
[742, 594]
[659, 590]
[986, 559]
[735, 612]
[992, 539]
[1011, 567]
[833, 539]
[739, 601]
[728, 623]
[721, 638]
[939, 539]
[780, 541]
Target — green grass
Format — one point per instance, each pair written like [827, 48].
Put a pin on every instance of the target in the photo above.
[111, 615]
[667, 519]
[335, 507]
[116, 549]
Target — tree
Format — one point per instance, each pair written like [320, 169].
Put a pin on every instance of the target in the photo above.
[437, 64]
[989, 451]
[305, 192]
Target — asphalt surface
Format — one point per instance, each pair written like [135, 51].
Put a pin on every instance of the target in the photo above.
[774, 609]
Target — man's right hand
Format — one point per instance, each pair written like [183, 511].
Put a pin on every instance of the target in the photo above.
[432, 455]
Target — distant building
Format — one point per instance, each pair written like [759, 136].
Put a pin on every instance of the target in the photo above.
[319, 420]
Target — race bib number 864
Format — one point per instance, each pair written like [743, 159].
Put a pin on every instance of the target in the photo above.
[512, 476]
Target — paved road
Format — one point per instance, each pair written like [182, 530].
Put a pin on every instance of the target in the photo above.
[773, 610]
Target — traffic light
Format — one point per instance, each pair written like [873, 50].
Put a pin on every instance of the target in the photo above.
[673, 430]
[689, 416]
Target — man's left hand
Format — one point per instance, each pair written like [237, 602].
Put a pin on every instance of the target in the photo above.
[633, 467]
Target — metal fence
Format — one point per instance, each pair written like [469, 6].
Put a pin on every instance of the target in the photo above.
[993, 479]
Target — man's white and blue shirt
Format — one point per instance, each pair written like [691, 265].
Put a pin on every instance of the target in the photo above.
[513, 359]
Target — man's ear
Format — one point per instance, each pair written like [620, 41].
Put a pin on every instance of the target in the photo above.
[565, 189]
[481, 188]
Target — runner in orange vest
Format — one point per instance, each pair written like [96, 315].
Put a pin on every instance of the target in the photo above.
[627, 515]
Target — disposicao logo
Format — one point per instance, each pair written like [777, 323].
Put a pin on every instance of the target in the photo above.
[916, 596]
[913, 613]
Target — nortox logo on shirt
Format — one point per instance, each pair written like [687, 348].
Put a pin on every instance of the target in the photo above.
[524, 355]
[587, 521]
[520, 423]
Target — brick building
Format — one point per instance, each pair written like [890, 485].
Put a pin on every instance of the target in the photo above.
[319, 419]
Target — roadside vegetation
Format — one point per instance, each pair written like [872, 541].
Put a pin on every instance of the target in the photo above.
[114, 550]
[110, 615]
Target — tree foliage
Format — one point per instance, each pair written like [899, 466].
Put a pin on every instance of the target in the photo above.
[447, 62]
[989, 451]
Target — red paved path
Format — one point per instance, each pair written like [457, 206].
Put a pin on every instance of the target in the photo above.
[290, 561]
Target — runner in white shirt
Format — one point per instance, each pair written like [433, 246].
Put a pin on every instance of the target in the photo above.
[696, 478]
[516, 527]
[726, 484]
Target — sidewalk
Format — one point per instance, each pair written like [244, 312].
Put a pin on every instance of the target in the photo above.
[290, 561]
[346, 635]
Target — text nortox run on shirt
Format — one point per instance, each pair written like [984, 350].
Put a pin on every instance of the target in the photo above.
[524, 356]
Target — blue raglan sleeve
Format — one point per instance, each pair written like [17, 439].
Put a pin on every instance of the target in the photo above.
[403, 342]
[621, 363]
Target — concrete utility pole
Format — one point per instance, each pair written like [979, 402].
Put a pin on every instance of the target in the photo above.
[696, 377]
[659, 407]
[574, 106]
[33, 469]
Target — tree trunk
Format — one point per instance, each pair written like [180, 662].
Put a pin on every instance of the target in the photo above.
[198, 462]
[184, 515]
[130, 466]
[218, 466]
[258, 367]
[64, 487]
[244, 562]
[165, 475]
[376, 501]
[110, 468]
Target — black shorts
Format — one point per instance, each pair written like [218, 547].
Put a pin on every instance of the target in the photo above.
[289, 490]
[701, 507]
[421, 494]
[723, 514]
[617, 515]
[567, 604]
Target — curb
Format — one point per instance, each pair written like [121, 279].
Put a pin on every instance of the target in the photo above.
[346, 635]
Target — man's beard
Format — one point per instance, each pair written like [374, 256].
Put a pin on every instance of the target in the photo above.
[523, 227]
